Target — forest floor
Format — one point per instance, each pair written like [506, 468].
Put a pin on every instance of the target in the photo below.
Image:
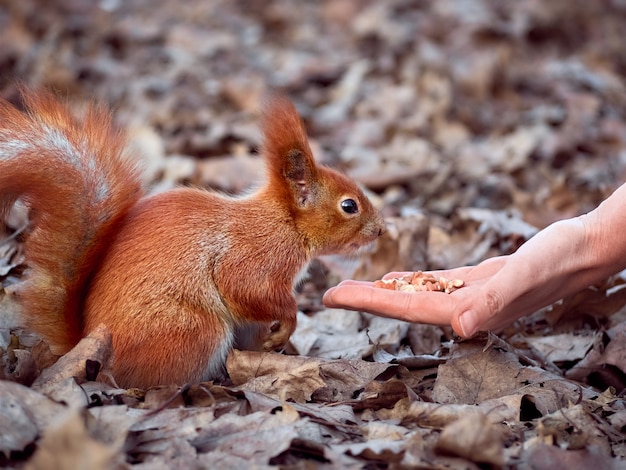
[473, 124]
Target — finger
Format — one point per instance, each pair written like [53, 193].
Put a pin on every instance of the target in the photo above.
[327, 299]
[456, 273]
[424, 307]
[355, 283]
[396, 274]
[483, 271]
[485, 308]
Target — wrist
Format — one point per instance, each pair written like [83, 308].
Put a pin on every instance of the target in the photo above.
[604, 246]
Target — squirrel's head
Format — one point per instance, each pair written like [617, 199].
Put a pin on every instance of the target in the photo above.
[330, 212]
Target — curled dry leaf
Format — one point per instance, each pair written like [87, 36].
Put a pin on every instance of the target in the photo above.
[80, 364]
[419, 282]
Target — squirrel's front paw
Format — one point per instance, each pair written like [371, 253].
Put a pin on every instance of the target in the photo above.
[278, 335]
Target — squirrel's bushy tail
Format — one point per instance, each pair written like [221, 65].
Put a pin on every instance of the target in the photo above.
[76, 179]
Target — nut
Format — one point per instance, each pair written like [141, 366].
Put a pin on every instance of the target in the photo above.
[420, 281]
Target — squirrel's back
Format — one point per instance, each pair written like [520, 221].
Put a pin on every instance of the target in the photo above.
[75, 177]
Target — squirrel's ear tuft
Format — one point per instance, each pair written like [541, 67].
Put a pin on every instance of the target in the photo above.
[286, 149]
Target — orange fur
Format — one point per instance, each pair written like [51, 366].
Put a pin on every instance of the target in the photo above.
[175, 275]
[78, 185]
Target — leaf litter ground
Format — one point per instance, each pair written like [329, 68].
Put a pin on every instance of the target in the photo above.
[473, 124]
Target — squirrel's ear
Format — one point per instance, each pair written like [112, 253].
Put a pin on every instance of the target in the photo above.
[286, 149]
[300, 176]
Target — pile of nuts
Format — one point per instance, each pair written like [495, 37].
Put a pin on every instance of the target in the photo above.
[419, 282]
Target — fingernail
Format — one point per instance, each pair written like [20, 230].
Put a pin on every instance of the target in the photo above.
[469, 323]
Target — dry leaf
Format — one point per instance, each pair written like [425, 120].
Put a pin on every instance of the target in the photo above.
[68, 445]
[285, 377]
[473, 438]
[564, 347]
[96, 347]
[471, 121]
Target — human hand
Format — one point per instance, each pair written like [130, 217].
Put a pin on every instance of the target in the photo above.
[436, 308]
[560, 260]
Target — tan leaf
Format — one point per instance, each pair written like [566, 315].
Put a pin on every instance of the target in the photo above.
[284, 377]
[69, 445]
[97, 346]
[473, 438]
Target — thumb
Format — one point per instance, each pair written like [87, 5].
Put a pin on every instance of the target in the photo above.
[465, 323]
[327, 299]
[476, 312]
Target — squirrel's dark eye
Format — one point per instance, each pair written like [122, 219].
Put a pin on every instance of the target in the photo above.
[349, 206]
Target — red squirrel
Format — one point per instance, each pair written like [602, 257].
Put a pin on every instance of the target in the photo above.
[174, 276]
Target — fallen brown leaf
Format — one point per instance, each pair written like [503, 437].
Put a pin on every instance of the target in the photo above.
[95, 347]
[473, 438]
[68, 445]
